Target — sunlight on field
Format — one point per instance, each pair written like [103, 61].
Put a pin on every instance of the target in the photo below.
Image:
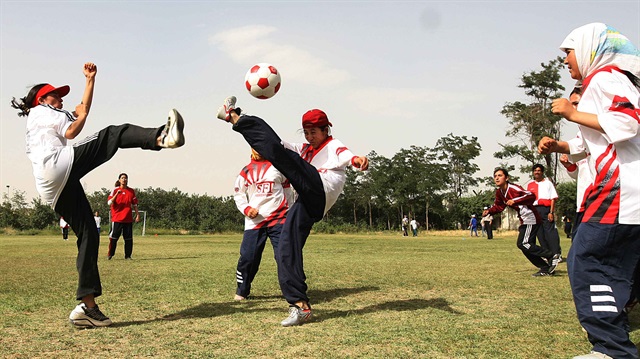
[374, 296]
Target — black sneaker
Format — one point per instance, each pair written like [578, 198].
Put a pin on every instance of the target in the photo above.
[83, 317]
[542, 273]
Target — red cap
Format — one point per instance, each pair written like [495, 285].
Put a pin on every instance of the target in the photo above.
[62, 91]
[315, 118]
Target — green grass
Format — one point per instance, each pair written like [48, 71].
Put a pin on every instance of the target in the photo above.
[374, 296]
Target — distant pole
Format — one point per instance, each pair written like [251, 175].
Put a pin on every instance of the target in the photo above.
[8, 191]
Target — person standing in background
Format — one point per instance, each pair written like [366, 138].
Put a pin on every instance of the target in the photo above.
[545, 204]
[414, 227]
[65, 228]
[405, 226]
[487, 222]
[96, 217]
[121, 200]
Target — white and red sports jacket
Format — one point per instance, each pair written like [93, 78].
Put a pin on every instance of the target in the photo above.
[331, 160]
[261, 186]
[614, 196]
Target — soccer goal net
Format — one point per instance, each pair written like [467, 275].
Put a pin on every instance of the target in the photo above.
[143, 221]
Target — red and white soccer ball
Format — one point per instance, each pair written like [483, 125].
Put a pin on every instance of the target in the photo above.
[262, 81]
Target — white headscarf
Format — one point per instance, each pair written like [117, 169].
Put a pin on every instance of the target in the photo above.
[597, 45]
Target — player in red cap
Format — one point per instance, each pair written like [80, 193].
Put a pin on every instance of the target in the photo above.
[58, 169]
[317, 172]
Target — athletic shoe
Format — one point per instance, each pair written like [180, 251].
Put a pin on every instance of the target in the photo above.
[128, 258]
[542, 273]
[83, 317]
[593, 355]
[553, 263]
[109, 257]
[172, 136]
[239, 297]
[224, 112]
[297, 316]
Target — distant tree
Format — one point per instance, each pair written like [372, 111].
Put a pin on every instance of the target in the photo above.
[529, 122]
[457, 154]
[566, 203]
[41, 215]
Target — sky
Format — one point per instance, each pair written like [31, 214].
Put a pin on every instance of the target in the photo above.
[389, 74]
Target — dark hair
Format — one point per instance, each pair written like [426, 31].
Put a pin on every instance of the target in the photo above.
[506, 173]
[26, 103]
[576, 90]
[120, 175]
[537, 165]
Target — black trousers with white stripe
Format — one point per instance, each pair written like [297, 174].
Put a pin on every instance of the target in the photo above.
[527, 244]
[601, 266]
[305, 211]
[253, 243]
[73, 204]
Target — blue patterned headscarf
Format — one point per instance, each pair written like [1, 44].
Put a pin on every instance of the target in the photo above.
[597, 45]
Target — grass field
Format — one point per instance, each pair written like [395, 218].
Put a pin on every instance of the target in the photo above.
[374, 296]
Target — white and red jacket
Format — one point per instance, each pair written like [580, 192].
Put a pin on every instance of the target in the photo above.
[51, 157]
[523, 203]
[614, 161]
[331, 160]
[263, 187]
[545, 192]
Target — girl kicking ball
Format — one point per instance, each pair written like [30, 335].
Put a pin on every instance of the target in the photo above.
[316, 171]
[58, 168]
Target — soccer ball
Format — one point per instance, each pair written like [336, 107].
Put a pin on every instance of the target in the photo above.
[262, 81]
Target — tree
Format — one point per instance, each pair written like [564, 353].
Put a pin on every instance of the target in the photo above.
[528, 123]
[456, 154]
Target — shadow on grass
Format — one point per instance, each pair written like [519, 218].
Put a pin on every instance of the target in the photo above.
[256, 304]
[394, 305]
[210, 310]
[164, 258]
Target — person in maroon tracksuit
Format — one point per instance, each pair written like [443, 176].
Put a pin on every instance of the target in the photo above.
[521, 200]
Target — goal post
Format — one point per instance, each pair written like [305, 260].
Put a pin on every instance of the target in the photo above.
[144, 221]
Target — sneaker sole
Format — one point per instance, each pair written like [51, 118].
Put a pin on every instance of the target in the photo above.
[86, 323]
[179, 141]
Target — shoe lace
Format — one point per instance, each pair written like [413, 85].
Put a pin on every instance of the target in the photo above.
[95, 313]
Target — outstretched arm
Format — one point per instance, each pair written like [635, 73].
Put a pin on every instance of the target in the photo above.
[82, 110]
[361, 162]
[564, 108]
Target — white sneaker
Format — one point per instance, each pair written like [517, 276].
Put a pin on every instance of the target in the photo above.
[297, 316]
[228, 106]
[238, 297]
[553, 263]
[172, 135]
[593, 355]
[83, 317]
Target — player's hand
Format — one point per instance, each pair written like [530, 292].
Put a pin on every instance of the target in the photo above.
[361, 162]
[510, 202]
[546, 145]
[137, 218]
[550, 217]
[252, 213]
[562, 107]
[485, 212]
[90, 70]
[81, 110]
